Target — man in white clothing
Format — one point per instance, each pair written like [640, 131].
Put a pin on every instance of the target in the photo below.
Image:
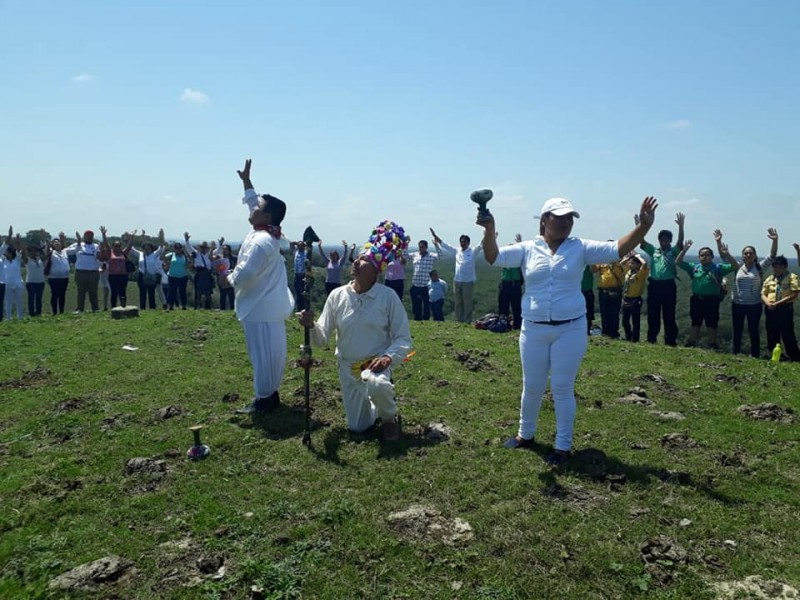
[464, 279]
[263, 300]
[372, 334]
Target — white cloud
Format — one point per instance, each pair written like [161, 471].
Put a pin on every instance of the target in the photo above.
[194, 96]
[83, 78]
[679, 124]
[683, 203]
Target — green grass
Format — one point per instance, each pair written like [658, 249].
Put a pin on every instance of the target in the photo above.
[311, 522]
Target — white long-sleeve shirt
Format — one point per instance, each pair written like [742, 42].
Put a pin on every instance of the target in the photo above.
[59, 265]
[201, 259]
[148, 263]
[366, 325]
[465, 262]
[553, 280]
[259, 280]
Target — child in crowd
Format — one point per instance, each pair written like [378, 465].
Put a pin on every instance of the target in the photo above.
[437, 289]
[636, 272]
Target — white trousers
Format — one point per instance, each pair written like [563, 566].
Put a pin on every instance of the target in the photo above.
[266, 346]
[13, 299]
[366, 400]
[557, 350]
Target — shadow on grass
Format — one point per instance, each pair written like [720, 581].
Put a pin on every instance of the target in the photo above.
[283, 423]
[594, 464]
[336, 437]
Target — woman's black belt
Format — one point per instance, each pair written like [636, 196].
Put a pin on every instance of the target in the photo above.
[558, 322]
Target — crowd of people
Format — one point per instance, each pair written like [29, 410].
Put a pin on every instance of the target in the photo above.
[103, 271]
[546, 288]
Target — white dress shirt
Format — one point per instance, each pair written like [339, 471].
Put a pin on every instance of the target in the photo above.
[465, 262]
[259, 280]
[367, 325]
[553, 281]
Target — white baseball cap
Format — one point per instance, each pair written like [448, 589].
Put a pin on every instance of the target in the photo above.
[559, 207]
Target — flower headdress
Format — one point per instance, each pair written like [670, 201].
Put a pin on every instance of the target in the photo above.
[387, 242]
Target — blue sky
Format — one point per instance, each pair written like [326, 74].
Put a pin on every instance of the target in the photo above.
[137, 115]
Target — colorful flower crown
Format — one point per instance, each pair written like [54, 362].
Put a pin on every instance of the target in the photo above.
[387, 242]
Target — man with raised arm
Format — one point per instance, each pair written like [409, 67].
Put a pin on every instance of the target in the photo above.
[662, 291]
[263, 300]
[464, 278]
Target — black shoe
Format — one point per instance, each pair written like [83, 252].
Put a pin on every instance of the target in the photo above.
[261, 405]
[515, 442]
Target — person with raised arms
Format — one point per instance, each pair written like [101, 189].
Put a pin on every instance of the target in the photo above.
[263, 300]
[553, 338]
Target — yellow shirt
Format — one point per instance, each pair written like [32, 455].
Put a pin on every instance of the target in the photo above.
[611, 276]
[788, 284]
[635, 282]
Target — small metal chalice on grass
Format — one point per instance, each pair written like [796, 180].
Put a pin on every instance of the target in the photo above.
[199, 450]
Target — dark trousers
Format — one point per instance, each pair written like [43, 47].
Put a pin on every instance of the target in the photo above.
[119, 289]
[147, 293]
[2, 299]
[751, 312]
[437, 308]
[509, 301]
[226, 298]
[86, 282]
[35, 293]
[420, 303]
[177, 291]
[299, 288]
[588, 297]
[58, 293]
[203, 287]
[610, 303]
[780, 328]
[662, 296]
[631, 318]
[329, 287]
[397, 286]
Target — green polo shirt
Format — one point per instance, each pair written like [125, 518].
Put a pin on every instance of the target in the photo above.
[511, 274]
[706, 281]
[587, 283]
[662, 264]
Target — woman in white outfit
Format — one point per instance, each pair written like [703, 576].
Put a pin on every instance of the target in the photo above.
[553, 337]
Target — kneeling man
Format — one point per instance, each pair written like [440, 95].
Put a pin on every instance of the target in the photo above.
[372, 334]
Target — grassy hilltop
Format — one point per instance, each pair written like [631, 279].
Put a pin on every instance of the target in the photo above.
[650, 506]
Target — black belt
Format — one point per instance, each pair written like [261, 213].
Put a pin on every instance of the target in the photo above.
[558, 322]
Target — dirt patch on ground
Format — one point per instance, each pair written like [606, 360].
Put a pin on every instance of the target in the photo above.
[474, 360]
[146, 474]
[230, 398]
[636, 395]
[766, 411]
[756, 588]
[662, 556]
[184, 562]
[29, 378]
[678, 441]
[722, 378]
[425, 523]
[668, 415]
[576, 496]
[70, 404]
[106, 571]
[113, 422]
[168, 412]
[199, 335]
[736, 458]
